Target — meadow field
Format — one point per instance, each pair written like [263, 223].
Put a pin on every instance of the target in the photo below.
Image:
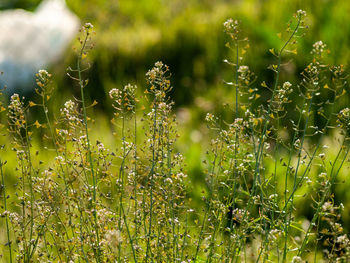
[233, 146]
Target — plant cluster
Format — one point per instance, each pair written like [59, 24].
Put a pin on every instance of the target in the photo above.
[132, 202]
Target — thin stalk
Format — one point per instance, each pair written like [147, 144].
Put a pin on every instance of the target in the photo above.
[184, 240]
[5, 208]
[54, 140]
[151, 179]
[121, 180]
[129, 235]
[260, 149]
[266, 240]
[288, 217]
[208, 206]
[81, 236]
[213, 238]
[236, 80]
[23, 223]
[175, 241]
[28, 155]
[236, 133]
[135, 173]
[262, 138]
[308, 165]
[326, 194]
[290, 158]
[81, 84]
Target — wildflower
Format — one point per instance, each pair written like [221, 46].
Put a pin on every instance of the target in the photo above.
[342, 239]
[127, 146]
[114, 93]
[113, 238]
[43, 74]
[59, 159]
[15, 104]
[159, 64]
[101, 147]
[274, 234]
[43, 78]
[286, 85]
[209, 117]
[231, 25]
[297, 144]
[344, 119]
[88, 26]
[273, 196]
[322, 156]
[318, 48]
[69, 105]
[16, 113]
[181, 175]
[168, 180]
[301, 13]
[69, 112]
[281, 96]
[297, 259]
[245, 75]
[157, 77]
[243, 69]
[327, 206]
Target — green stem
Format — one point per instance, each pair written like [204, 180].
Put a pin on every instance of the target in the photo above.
[151, 173]
[326, 194]
[5, 208]
[94, 181]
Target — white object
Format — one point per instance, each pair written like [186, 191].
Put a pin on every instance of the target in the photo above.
[30, 41]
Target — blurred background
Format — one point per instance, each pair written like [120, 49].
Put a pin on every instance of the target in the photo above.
[186, 35]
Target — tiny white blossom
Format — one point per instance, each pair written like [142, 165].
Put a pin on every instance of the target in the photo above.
[301, 13]
[297, 259]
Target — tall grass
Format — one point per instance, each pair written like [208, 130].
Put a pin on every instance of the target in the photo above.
[131, 201]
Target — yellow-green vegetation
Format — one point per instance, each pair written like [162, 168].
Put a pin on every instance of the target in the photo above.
[75, 189]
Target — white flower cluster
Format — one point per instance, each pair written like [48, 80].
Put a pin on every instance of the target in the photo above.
[343, 239]
[327, 206]
[69, 111]
[301, 13]
[88, 26]
[286, 85]
[243, 69]
[209, 117]
[43, 75]
[231, 25]
[318, 48]
[282, 94]
[155, 71]
[297, 259]
[115, 94]
[69, 105]
[344, 119]
[15, 104]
